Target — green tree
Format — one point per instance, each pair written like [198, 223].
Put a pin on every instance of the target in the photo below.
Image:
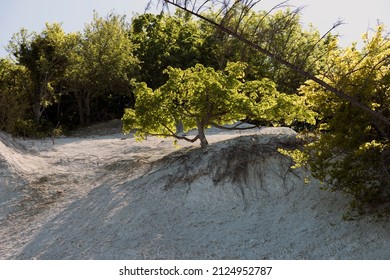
[280, 33]
[350, 151]
[165, 40]
[45, 57]
[226, 22]
[102, 64]
[284, 36]
[199, 97]
[14, 89]
[349, 91]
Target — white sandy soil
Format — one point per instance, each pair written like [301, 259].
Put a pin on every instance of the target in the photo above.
[102, 195]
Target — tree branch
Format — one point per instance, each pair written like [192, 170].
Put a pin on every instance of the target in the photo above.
[236, 127]
[174, 135]
[284, 62]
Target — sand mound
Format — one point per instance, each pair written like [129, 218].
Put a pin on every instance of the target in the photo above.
[17, 167]
[237, 199]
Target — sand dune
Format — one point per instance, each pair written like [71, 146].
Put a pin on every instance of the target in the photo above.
[103, 195]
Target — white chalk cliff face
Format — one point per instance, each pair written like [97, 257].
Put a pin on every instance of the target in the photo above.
[106, 196]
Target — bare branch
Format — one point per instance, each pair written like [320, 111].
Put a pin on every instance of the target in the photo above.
[179, 137]
[278, 6]
[199, 10]
[170, 134]
[235, 127]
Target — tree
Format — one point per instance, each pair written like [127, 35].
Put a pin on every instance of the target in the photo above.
[226, 22]
[165, 40]
[14, 89]
[102, 64]
[199, 97]
[45, 57]
[350, 150]
[282, 33]
[349, 90]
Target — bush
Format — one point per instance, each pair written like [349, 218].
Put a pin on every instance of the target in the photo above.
[350, 151]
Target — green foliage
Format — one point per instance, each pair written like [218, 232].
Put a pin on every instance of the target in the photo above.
[281, 33]
[102, 64]
[75, 77]
[200, 96]
[85, 77]
[13, 93]
[44, 56]
[165, 40]
[351, 150]
[57, 79]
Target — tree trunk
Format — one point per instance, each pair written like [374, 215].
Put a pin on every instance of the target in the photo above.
[87, 109]
[36, 105]
[80, 109]
[37, 111]
[202, 137]
[179, 127]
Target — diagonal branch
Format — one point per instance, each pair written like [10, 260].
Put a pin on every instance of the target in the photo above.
[173, 134]
[284, 62]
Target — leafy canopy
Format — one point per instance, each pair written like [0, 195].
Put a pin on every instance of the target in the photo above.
[44, 56]
[102, 64]
[350, 150]
[280, 32]
[165, 40]
[199, 97]
[14, 90]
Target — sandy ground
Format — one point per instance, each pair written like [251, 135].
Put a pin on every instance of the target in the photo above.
[102, 195]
